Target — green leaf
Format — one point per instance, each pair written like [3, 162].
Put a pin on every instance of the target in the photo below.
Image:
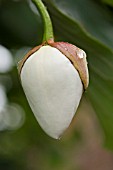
[95, 18]
[86, 24]
[108, 2]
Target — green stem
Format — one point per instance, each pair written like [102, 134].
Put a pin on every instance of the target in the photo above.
[48, 29]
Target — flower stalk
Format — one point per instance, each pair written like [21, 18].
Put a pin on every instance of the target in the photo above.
[48, 29]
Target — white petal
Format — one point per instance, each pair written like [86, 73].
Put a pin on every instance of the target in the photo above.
[53, 89]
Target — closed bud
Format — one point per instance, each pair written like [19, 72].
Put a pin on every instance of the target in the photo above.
[54, 76]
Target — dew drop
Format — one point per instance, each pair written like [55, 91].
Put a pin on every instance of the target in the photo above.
[81, 54]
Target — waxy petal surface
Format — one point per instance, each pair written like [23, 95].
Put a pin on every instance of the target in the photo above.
[53, 89]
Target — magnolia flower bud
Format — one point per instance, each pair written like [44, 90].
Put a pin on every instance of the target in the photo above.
[53, 77]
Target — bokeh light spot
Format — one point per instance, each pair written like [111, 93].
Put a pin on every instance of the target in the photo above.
[6, 59]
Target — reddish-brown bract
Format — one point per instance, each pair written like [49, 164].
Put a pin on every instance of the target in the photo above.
[72, 53]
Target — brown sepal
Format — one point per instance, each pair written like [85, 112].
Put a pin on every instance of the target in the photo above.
[73, 54]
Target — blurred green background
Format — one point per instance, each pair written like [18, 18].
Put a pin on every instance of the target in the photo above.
[88, 142]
